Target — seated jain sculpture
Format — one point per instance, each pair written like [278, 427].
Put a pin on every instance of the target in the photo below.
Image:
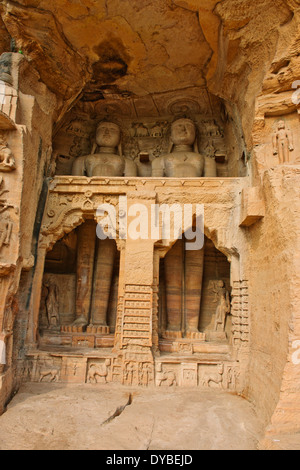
[108, 161]
[184, 160]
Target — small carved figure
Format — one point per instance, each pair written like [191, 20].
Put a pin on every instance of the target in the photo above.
[168, 378]
[5, 231]
[282, 143]
[216, 378]
[130, 370]
[146, 374]
[3, 202]
[52, 305]
[7, 161]
[51, 371]
[209, 149]
[232, 375]
[223, 308]
[141, 130]
[98, 370]
[108, 161]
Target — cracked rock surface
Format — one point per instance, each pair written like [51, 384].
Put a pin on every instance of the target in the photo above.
[58, 417]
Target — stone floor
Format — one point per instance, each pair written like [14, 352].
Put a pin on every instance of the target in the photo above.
[54, 416]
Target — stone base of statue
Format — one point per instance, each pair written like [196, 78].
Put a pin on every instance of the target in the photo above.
[170, 334]
[195, 335]
[98, 329]
[72, 329]
[216, 336]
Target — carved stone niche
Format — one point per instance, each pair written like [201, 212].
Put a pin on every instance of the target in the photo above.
[80, 290]
[281, 140]
[194, 294]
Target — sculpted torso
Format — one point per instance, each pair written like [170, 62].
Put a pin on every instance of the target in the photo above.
[183, 162]
[106, 162]
[179, 165]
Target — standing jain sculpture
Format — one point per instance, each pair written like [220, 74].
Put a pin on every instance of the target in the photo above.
[183, 269]
[96, 257]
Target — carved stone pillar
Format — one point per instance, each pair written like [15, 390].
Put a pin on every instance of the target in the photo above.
[134, 333]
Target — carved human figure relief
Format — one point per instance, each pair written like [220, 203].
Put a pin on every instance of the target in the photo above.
[5, 231]
[214, 379]
[223, 307]
[282, 142]
[108, 159]
[145, 374]
[4, 205]
[7, 161]
[130, 373]
[231, 377]
[52, 305]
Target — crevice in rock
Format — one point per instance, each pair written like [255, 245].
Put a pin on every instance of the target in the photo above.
[151, 435]
[118, 411]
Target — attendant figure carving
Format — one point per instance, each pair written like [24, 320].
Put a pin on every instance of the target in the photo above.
[7, 161]
[52, 305]
[223, 308]
[5, 231]
[282, 143]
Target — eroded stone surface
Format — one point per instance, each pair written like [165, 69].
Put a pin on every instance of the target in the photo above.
[49, 417]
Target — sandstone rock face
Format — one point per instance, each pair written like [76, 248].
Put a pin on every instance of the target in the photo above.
[230, 67]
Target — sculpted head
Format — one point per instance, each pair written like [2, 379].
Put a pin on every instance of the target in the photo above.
[221, 284]
[183, 132]
[281, 125]
[108, 134]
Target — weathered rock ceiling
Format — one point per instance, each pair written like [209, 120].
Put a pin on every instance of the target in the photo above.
[121, 48]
